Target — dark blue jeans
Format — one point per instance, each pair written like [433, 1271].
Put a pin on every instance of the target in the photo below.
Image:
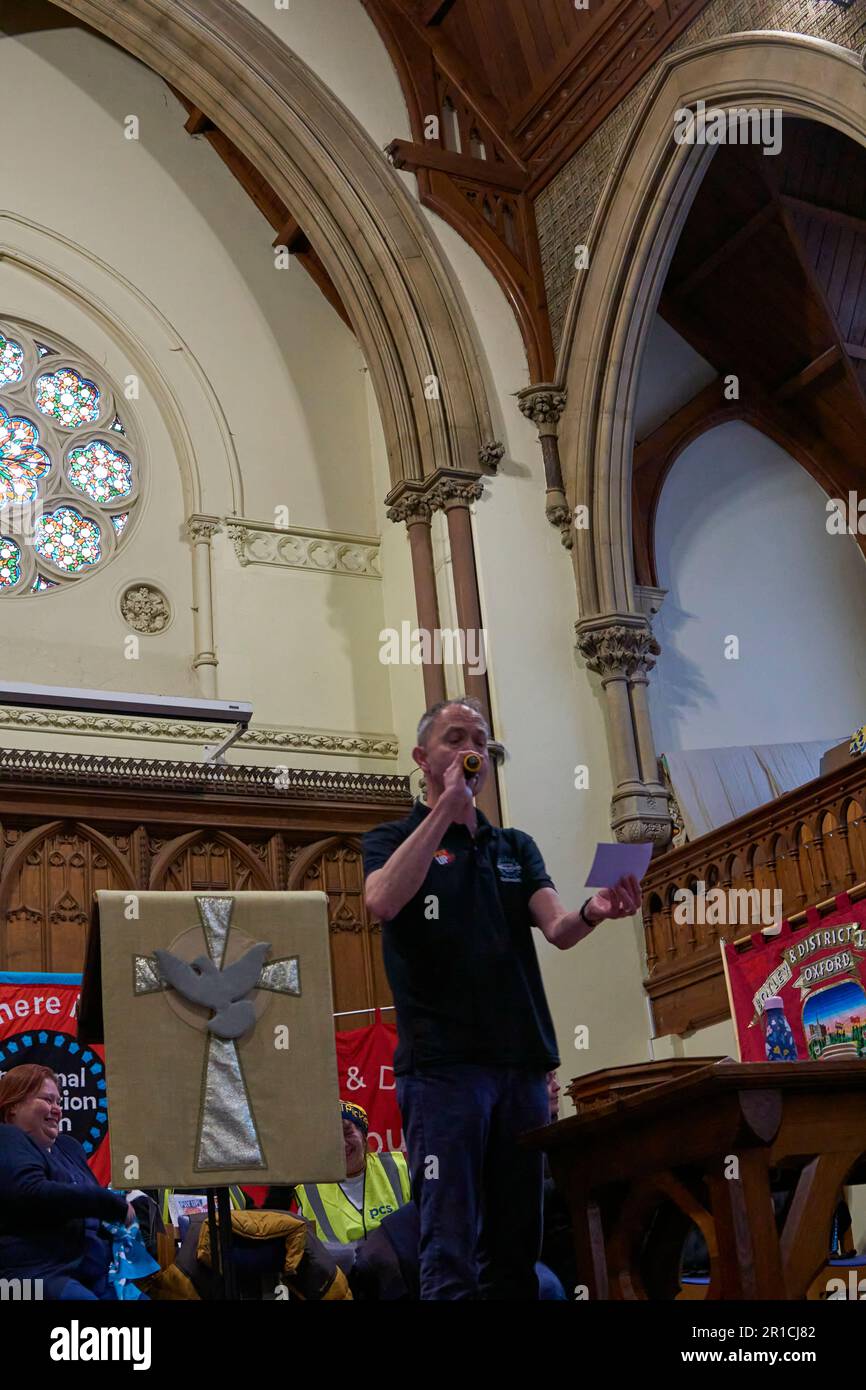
[478, 1193]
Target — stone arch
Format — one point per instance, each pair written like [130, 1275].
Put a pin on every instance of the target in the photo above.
[633, 236]
[364, 225]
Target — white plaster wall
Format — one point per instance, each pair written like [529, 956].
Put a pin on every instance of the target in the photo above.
[338, 40]
[671, 373]
[742, 547]
[152, 258]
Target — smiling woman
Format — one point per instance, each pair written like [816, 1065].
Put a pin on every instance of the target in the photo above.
[51, 1206]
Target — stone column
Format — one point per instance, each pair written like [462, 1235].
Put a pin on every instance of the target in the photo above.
[543, 405]
[621, 648]
[649, 599]
[410, 506]
[200, 530]
[454, 491]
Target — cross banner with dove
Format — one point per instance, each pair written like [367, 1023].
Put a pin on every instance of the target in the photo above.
[228, 1137]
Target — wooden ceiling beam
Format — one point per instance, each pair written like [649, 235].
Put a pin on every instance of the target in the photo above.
[810, 373]
[288, 231]
[678, 426]
[854, 382]
[824, 459]
[471, 84]
[728, 248]
[432, 12]
[292, 237]
[843, 219]
[198, 123]
[408, 154]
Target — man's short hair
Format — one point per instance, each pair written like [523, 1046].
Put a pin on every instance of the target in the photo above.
[429, 718]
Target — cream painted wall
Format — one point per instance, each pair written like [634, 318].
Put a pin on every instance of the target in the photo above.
[148, 255]
[338, 40]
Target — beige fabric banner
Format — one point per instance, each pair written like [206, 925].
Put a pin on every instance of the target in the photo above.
[219, 1039]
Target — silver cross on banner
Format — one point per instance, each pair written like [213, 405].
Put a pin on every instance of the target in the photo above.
[227, 1134]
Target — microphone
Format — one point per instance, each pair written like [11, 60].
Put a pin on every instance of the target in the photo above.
[471, 764]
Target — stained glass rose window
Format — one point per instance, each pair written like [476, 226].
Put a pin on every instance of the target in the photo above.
[69, 473]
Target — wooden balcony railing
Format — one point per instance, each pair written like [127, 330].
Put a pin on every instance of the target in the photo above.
[810, 844]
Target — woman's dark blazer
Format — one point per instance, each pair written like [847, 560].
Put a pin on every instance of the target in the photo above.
[42, 1213]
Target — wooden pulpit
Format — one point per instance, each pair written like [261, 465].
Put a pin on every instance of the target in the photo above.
[657, 1148]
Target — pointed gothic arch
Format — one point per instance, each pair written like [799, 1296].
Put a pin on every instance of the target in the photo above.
[634, 233]
[366, 228]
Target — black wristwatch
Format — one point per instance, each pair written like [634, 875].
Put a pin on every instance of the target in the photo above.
[584, 916]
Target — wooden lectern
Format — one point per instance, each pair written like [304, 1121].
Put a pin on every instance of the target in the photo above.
[658, 1147]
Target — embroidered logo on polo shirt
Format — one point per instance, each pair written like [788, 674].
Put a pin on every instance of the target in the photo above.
[509, 870]
[443, 856]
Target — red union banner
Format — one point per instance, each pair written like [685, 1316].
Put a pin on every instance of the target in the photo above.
[38, 1024]
[814, 981]
[365, 1058]
[365, 1062]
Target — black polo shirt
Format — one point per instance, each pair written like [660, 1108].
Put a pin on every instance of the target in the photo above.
[466, 983]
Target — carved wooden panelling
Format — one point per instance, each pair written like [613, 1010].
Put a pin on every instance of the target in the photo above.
[68, 830]
[335, 867]
[211, 862]
[48, 883]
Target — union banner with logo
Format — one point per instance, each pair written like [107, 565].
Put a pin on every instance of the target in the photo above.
[38, 1024]
[804, 988]
[365, 1061]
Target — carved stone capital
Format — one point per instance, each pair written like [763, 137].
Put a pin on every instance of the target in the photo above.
[543, 404]
[491, 455]
[454, 489]
[202, 529]
[619, 645]
[413, 508]
[638, 817]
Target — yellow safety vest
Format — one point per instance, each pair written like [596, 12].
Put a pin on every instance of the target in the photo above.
[386, 1187]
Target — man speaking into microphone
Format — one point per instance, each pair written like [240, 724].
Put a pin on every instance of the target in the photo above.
[458, 898]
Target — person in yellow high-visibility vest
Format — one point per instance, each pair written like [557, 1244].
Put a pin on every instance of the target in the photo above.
[376, 1184]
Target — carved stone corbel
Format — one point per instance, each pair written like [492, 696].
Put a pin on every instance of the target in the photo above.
[543, 404]
[621, 649]
[491, 455]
